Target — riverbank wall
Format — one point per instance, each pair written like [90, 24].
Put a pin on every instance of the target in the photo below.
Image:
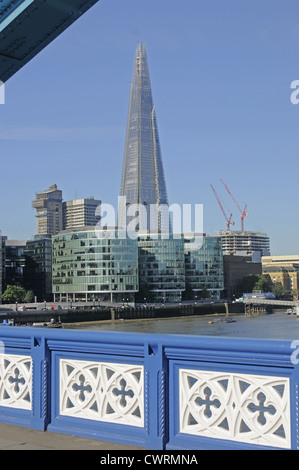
[117, 313]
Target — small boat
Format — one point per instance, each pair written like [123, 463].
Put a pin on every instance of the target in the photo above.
[50, 324]
[7, 323]
[54, 325]
[223, 320]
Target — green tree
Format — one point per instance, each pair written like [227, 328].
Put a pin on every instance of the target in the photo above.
[264, 284]
[13, 294]
[294, 294]
[144, 293]
[278, 290]
[205, 293]
[248, 282]
[188, 293]
[29, 296]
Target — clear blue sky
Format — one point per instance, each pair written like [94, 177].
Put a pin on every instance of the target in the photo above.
[220, 73]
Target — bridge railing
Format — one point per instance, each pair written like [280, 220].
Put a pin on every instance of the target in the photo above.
[151, 391]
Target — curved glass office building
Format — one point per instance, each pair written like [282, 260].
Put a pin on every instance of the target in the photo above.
[204, 266]
[94, 265]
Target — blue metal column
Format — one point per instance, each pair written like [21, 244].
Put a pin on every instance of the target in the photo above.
[156, 386]
[41, 382]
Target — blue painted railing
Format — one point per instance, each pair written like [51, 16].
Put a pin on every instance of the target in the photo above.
[151, 391]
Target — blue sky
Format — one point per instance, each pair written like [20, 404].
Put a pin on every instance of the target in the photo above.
[220, 74]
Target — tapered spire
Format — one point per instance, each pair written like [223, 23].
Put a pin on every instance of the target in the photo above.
[143, 179]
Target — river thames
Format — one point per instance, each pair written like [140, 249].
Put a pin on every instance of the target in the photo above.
[268, 326]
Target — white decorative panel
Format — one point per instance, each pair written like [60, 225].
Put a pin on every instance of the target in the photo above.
[16, 381]
[247, 408]
[102, 391]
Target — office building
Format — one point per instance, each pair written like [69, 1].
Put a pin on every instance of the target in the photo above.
[79, 213]
[94, 265]
[236, 268]
[48, 205]
[246, 243]
[203, 265]
[283, 269]
[90, 265]
[161, 268]
[142, 181]
[14, 262]
[38, 267]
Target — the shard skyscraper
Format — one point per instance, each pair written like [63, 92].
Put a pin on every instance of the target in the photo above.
[143, 181]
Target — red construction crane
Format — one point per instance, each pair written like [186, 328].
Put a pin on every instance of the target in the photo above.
[228, 219]
[243, 212]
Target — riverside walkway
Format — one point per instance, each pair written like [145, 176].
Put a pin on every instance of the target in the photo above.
[19, 438]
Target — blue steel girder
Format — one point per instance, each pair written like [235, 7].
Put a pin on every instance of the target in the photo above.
[28, 26]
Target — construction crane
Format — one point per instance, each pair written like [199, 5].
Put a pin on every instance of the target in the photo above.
[228, 219]
[243, 212]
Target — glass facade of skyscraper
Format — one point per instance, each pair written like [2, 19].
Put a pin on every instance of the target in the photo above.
[97, 265]
[162, 268]
[204, 266]
[143, 179]
[94, 265]
[38, 266]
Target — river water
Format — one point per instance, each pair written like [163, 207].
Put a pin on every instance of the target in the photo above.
[268, 326]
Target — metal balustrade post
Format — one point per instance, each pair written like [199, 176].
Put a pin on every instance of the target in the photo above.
[156, 391]
[40, 383]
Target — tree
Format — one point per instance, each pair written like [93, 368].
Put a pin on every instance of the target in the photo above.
[144, 294]
[294, 294]
[29, 296]
[188, 293]
[278, 290]
[248, 282]
[264, 284]
[13, 294]
[205, 293]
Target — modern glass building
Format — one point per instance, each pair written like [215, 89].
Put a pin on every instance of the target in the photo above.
[143, 179]
[204, 266]
[94, 265]
[161, 268]
[14, 262]
[38, 267]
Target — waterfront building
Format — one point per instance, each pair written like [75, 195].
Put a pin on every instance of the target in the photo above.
[14, 262]
[90, 265]
[94, 265]
[142, 181]
[38, 267]
[283, 269]
[247, 243]
[48, 205]
[82, 212]
[203, 266]
[236, 268]
[161, 268]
